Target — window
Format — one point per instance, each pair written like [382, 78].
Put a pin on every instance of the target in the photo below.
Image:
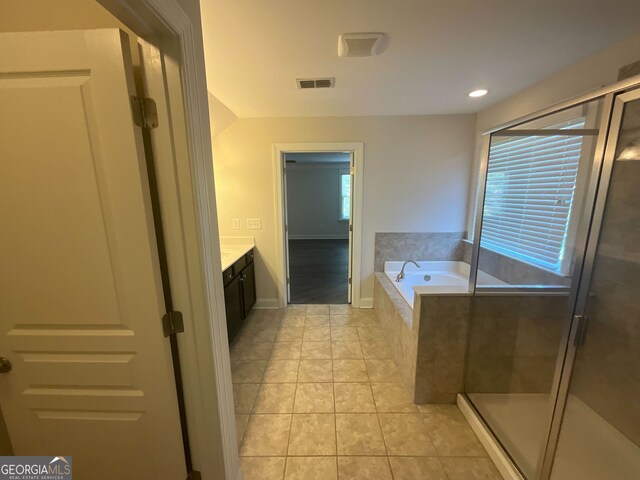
[529, 195]
[345, 196]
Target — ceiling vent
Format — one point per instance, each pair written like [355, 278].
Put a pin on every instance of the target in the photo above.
[362, 44]
[327, 82]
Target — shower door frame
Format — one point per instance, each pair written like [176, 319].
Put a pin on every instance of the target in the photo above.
[614, 98]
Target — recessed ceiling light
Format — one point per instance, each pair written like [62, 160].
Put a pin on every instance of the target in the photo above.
[481, 92]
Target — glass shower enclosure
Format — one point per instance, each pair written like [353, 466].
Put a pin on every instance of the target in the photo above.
[553, 353]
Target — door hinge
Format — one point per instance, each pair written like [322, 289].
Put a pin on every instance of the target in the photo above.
[349, 280]
[581, 330]
[172, 323]
[351, 227]
[288, 281]
[286, 228]
[145, 113]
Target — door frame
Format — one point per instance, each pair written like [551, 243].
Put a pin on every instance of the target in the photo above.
[357, 150]
[189, 213]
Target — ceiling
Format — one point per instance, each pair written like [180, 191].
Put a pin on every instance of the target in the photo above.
[438, 51]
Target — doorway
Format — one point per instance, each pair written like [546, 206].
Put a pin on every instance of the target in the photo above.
[319, 195]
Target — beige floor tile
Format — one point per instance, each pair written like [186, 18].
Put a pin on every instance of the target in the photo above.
[275, 398]
[406, 434]
[247, 371]
[294, 310]
[312, 434]
[264, 335]
[315, 371]
[266, 435]
[343, 320]
[314, 398]
[290, 334]
[263, 468]
[450, 432]
[244, 396]
[346, 350]
[371, 334]
[382, 371]
[393, 398]
[359, 434]
[417, 468]
[349, 371]
[375, 349]
[353, 398]
[317, 309]
[340, 309]
[345, 334]
[311, 468]
[241, 426]
[281, 371]
[317, 334]
[251, 351]
[364, 468]
[293, 321]
[317, 321]
[286, 350]
[467, 468]
[316, 350]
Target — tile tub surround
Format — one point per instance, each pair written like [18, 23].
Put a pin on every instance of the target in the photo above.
[344, 415]
[430, 353]
[397, 246]
[510, 270]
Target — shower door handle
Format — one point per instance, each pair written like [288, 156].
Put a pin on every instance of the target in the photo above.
[5, 365]
[581, 330]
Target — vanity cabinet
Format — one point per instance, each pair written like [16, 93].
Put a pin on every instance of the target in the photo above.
[239, 292]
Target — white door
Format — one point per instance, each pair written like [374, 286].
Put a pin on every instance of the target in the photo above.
[286, 229]
[351, 174]
[80, 293]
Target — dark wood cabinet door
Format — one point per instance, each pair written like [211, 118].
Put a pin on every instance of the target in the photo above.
[233, 306]
[248, 288]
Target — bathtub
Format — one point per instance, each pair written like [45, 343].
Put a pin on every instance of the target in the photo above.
[446, 277]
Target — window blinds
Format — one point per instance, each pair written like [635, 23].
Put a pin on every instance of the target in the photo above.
[529, 194]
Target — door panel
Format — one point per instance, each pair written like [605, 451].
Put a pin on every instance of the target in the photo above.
[248, 288]
[80, 295]
[600, 433]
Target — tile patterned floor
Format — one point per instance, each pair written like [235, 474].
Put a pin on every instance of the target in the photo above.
[317, 398]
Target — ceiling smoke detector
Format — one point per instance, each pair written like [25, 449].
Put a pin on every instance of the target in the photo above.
[362, 44]
[327, 82]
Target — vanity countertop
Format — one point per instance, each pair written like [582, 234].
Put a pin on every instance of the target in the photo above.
[233, 248]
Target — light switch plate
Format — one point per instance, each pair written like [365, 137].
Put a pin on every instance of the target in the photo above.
[235, 223]
[254, 224]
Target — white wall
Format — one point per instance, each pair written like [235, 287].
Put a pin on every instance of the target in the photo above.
[314, 200]
[416, 177]
[589, 74]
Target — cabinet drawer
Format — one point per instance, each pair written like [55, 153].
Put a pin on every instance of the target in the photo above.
[227, 275]
[239, 265]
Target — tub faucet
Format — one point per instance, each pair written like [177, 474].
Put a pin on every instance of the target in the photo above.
[401, 274]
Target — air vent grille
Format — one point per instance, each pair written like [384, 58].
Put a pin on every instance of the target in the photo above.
[327, 82]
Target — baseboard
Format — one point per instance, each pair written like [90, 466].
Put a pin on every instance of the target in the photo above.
[497, 454]
[318, 237]
[262, 303]
[366, 302]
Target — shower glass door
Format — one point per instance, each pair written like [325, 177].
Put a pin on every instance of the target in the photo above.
[539, 186]
[600, 433]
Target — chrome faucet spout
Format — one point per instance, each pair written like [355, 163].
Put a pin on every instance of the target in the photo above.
[401, 274]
